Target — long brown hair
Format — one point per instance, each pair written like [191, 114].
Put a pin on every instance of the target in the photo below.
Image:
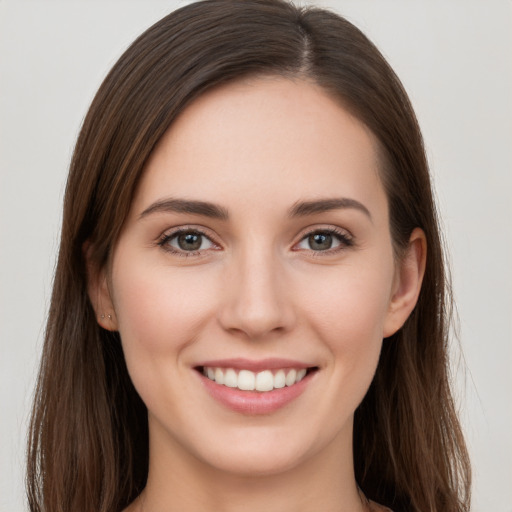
[88, 442]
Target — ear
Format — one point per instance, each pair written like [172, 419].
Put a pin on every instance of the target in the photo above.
[408, 278]
[99, 292]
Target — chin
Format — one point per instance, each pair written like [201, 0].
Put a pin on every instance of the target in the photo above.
[257, 462]
[262, 451]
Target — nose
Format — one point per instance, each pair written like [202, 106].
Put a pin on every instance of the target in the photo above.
[256, 301]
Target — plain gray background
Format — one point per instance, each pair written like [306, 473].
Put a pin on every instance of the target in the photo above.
[455, 60]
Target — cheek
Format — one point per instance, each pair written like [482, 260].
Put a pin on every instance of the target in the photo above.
[349, 316]
[160, 312]
[352, 303]
[160, 309]
[352, 328]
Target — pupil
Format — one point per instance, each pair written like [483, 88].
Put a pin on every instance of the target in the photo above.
[320, 241]
[189, 241]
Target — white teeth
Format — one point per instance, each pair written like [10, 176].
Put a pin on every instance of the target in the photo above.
[301, 374]
[230, 378]
[290, 377]
[246, 380]
[219, 376]
[262, 381]
[279, 379]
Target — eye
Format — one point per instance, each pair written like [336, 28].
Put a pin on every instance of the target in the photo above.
[186, 241]
[325, 240]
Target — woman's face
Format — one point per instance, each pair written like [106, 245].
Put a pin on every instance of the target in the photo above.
[257, 249]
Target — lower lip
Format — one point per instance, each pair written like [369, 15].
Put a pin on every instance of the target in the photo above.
[255, 402]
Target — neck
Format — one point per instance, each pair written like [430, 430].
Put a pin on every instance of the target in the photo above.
[178, 481]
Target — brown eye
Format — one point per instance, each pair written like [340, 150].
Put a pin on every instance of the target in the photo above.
[326, 240]
[187, 241]
[320, 241]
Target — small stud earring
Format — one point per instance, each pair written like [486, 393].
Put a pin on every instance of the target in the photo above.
[109, 317]
[102, 317]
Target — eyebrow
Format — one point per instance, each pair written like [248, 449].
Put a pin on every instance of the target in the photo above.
[203, 208]
[214, 211]
[304, 208]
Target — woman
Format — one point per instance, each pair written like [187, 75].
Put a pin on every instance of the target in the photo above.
[244, 314]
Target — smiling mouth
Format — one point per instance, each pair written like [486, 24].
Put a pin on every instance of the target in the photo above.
[262, 381]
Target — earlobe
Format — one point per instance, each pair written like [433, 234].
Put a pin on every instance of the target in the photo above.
[408, 280]
[99, 292]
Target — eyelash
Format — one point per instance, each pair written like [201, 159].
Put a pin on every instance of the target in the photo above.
[164, 240]
[345, 241]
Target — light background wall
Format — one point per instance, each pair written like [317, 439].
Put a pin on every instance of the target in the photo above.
[455, 60]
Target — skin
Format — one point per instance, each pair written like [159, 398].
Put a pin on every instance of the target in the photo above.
[257, 289]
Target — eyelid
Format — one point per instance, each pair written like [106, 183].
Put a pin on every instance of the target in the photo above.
[344, 236]
[170, 233]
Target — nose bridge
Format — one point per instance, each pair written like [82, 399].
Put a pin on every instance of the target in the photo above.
[256, 299]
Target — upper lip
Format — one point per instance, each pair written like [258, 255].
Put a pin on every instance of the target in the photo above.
[240, 363]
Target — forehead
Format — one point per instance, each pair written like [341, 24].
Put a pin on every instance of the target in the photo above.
[267, 138]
